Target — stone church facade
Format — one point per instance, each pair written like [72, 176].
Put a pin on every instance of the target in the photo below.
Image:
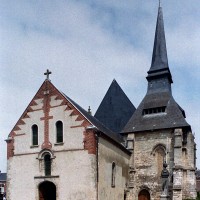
[58, 151]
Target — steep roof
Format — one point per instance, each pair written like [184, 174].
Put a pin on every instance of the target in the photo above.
[158, 109]
[96, 122]
[159, 64]
[3, 176]
[47, 86]
[115, 109]
[198, 174]
[173, 117]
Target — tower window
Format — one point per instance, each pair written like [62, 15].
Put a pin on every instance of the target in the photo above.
[157, 110]
[59, 132]
[34, 135]
[113, 174]
[47, 165]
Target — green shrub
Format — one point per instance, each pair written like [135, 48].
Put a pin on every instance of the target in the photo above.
[198, 196]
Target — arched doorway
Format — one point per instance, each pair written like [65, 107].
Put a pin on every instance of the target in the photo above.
[47, 191]
[144, 195]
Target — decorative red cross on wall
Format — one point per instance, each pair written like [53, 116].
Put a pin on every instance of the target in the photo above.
[46, 110]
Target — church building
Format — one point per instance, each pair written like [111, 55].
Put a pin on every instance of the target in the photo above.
[59, 151]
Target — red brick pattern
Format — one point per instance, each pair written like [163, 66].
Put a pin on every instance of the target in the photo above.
[46, 91]
[10, 145]
[46, 118]
[90, 143]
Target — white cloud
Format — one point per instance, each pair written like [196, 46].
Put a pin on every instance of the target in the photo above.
[88, 45]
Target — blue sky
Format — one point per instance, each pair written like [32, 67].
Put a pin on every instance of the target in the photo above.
[88, 43]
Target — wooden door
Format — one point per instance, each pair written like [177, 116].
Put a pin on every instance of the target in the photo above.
[144, 195]
[47, 191]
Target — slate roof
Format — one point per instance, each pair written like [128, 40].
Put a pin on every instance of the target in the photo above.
[198, 174]
[158, 93]
[114, 136]
[3, 176]
[159, 64]
[172, 118]
[115, 109]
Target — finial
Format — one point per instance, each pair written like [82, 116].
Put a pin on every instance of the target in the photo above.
[47, 73]
[159, 3]
[89, 111]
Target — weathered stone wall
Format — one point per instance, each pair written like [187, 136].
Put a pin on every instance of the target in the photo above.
[109, 153]
[146, 162]
[184, 185]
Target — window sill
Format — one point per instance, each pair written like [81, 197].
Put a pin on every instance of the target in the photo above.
[59, 144]
[34, 146]
[43, 177]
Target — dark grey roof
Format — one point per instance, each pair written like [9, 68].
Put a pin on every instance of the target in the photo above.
[198, 173]
[3, 176]
[172, 118]
[158, 93]
[114, 136]
[115, 109]
[159, 64]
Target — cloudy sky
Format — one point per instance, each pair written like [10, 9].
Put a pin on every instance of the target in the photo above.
[88, 43]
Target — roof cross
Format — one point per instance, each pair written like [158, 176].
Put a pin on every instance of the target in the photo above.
[47, 73]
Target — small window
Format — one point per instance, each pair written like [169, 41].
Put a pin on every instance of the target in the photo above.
[34, 135]
[47, 165]
[59, 132]
[113, 174]
[157, 110]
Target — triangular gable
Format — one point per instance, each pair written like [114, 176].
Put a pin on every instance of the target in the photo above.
[47, 88]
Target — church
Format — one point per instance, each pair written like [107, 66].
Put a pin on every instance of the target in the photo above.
[59, 151]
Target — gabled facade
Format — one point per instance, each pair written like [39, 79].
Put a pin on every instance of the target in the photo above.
[157, 133]
[58, 151]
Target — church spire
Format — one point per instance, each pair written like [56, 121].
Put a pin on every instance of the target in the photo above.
[159, 64]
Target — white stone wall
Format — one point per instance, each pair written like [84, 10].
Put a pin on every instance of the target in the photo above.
[109, 153]
[73, 137]
[76, 171]
[73, 169]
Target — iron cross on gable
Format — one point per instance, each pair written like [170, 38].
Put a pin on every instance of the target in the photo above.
[47, 73]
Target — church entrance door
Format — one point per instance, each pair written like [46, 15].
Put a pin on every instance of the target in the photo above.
[47, 191]
[144, 195]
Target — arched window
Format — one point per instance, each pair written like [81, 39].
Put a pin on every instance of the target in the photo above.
[34, 135]
[113, 174]
[160, 155]
[47, 165]
[59, 132]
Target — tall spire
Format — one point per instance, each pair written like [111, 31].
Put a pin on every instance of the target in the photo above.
[158, 110]
[159, 64]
